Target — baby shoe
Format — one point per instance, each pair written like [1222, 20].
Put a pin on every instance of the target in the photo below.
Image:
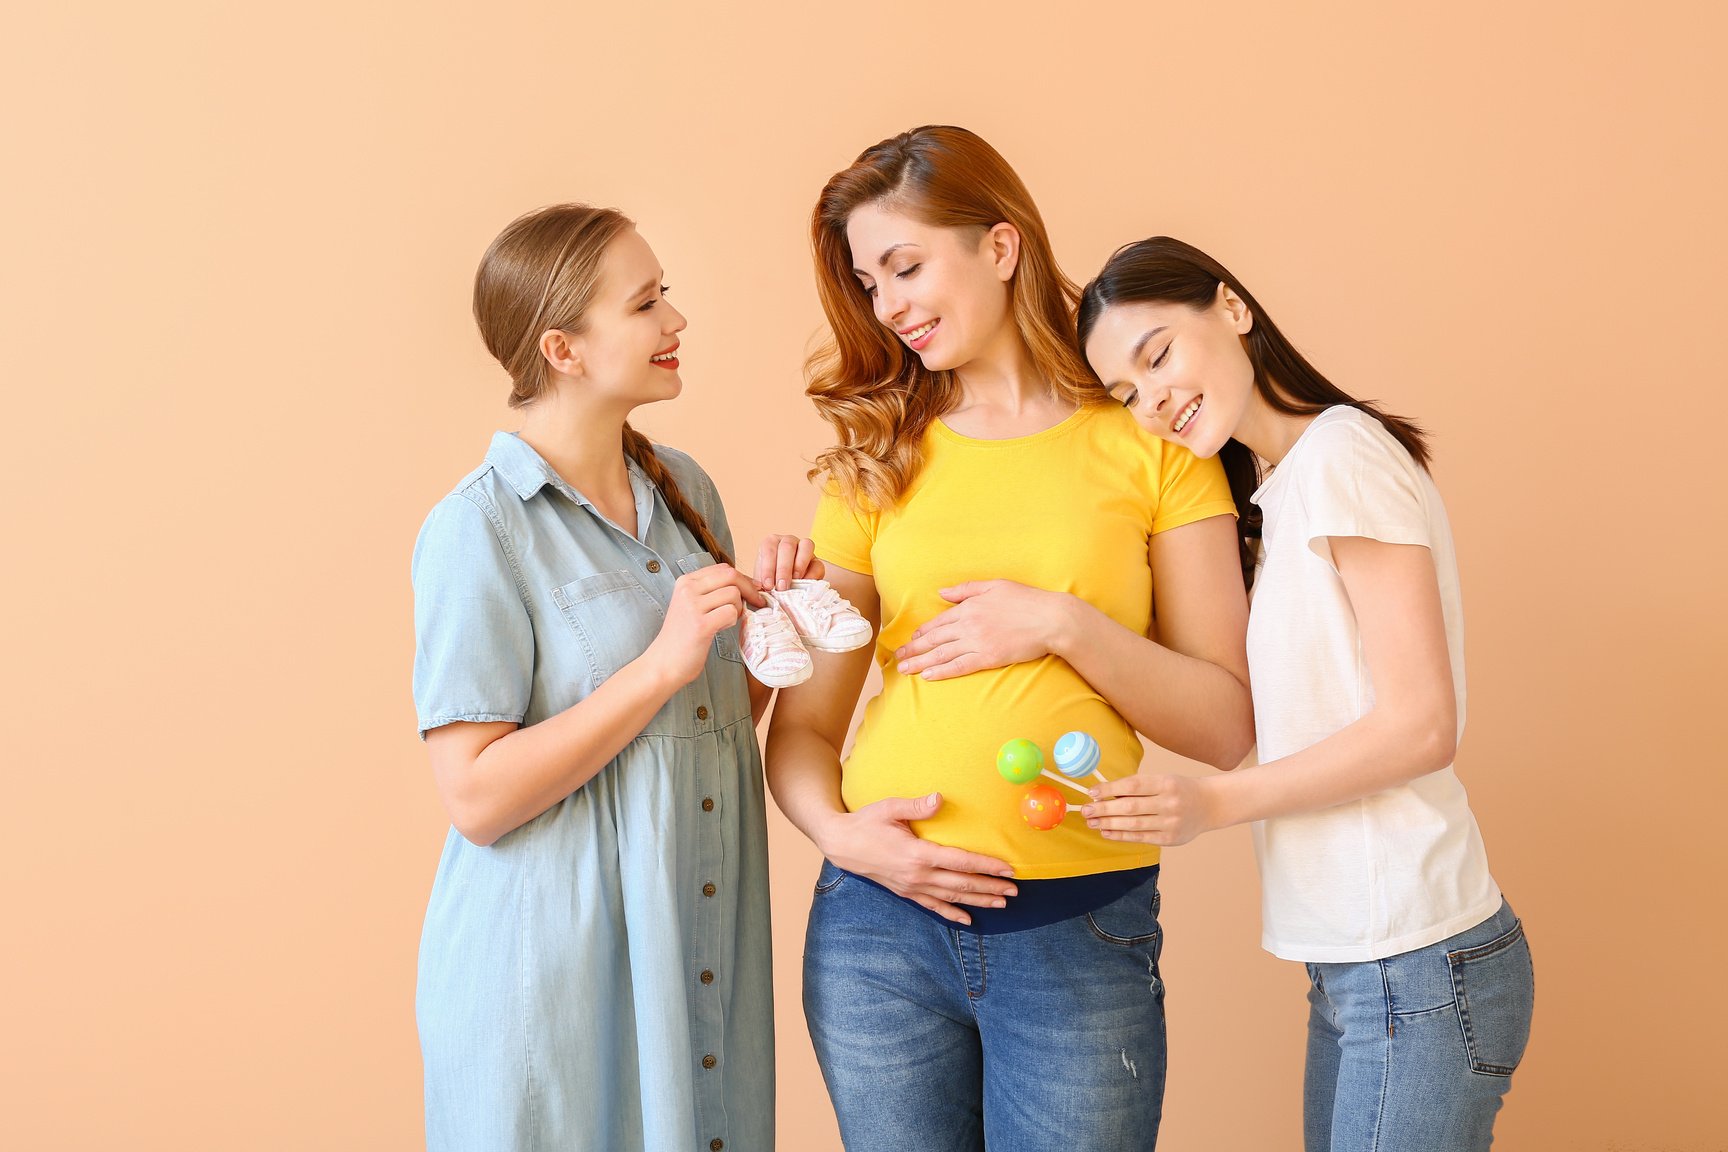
[826, 621]
[771, 648]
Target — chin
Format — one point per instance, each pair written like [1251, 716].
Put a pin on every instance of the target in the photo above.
[938, 362]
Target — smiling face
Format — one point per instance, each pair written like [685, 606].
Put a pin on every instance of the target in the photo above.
[1181, 371]
[942, 291]
[628, 348]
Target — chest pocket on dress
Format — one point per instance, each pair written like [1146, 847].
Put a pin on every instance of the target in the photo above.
[726, 643]
[613, 616]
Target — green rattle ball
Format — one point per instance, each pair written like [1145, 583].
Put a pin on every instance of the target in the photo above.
[1019, 761]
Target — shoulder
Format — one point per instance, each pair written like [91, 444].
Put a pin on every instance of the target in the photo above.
[1348, 470]
[692, 479]
[1109, 430]
[683, 467]
[1344, 433]
[462, 524]
[471, 505]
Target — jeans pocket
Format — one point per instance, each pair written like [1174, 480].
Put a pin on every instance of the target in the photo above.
[1495, 987]
[1131, 921]
[829, 878]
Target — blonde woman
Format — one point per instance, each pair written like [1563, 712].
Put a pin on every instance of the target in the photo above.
[594, 969]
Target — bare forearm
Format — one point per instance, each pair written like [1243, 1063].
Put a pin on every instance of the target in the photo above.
[519, 776]
[803, 771]
[1191, 706]
[1375, 753]
[760, 696]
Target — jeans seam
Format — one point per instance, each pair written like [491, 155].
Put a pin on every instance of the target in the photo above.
[965, 978]
[1386, 1064]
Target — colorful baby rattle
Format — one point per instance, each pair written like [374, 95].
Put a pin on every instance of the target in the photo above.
[1077, 754]
[1020, 761]
[1043, 807]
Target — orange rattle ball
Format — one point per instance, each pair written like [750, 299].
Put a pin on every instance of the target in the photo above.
[1043, 807]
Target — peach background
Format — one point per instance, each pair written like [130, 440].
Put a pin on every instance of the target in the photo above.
[238, 244]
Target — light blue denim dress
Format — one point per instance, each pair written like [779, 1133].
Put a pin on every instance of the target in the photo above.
[600, 977]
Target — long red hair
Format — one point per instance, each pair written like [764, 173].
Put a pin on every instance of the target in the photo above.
[879, 397]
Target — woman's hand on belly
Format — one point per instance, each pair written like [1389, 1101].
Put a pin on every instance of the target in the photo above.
[877, 842]
[994, 623]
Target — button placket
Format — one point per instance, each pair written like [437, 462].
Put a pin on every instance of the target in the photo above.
[713, 927]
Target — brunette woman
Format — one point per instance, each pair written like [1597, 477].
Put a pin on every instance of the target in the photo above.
[1373, 871]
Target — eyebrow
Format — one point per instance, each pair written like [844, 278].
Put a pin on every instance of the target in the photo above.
[1140, 344]
[648, 287]
[882, 260]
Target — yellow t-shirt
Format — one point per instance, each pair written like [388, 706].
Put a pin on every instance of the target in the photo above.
[1071, 509]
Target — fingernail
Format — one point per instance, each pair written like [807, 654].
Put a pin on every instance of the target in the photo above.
[998, 903]
[900, 668]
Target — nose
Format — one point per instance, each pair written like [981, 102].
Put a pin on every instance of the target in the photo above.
[889, 305]
[675, 321]
[1158, 399]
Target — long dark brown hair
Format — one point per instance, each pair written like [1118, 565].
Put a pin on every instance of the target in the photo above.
[1162, 270]
[879, 397]
[541, 274]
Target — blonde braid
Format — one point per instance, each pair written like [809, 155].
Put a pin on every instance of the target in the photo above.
[640, 449]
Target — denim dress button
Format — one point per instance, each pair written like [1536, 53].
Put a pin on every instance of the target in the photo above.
[653, 565]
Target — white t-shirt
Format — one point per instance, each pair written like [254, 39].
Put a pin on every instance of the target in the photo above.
[1404, 868]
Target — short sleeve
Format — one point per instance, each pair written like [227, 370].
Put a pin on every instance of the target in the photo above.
[1358, 481]
[842, 533]
[473, 639]
[1189, 489]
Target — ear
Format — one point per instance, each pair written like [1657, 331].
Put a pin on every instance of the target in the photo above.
[1002, 243]
[562, 351]
[1241, 318]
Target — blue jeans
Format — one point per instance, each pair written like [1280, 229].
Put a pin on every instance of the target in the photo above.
[935, 1039]
[1414, 1052]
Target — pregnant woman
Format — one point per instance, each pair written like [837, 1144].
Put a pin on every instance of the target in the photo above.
[969, 980]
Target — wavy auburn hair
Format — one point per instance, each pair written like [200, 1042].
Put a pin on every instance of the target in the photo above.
[878, 395]
[540, 274]
[1162, 270]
